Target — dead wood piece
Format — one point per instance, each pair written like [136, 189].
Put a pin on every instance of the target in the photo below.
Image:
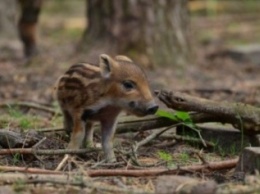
[10, 139]
[66, 179]
[135, 124]
[244, 117]
[155, 122]
[181, 184]
[249, 161]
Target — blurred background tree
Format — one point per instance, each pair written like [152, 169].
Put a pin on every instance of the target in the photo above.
[30, 10]
[156, 32]
[8, 29]
[153, 32]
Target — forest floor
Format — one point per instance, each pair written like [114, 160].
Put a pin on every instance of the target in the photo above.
[211, 75]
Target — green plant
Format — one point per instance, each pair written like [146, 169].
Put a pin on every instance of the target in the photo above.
[19, 186]
[184, 157]
[233, 150]
[14, 112]
[167, 157]
[16, 158]
[25, 123]
[182, 117]
[164, 156]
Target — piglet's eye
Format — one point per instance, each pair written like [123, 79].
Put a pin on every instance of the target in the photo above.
[129, 85]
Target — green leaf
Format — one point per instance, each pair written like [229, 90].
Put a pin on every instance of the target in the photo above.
[183, 116]
[166, 114]
[179, 116]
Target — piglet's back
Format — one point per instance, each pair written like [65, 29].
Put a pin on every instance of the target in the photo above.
[79, 86]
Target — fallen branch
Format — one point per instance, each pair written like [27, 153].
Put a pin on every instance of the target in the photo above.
[136, 124]
[134, 173]
[27, 170]
[47, 152]
[156, 172]
[29, 105]
[244, 117]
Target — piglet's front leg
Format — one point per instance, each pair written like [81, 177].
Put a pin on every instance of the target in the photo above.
[108, 127]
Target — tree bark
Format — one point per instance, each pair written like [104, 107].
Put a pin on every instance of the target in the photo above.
[9, 41]
[7, 18]
[30, 10]
[155, 32]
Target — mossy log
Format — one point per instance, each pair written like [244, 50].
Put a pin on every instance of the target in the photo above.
[242, 116]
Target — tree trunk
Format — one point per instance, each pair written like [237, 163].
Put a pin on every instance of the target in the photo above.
[30, 10]
[156, 32]
[9, 42]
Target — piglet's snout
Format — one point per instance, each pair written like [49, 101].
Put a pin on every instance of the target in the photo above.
[152, 108]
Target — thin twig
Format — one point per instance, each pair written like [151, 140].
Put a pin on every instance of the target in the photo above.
[133, 152]
[47, 152]
[199, 154]
[29, 105]
[51, 129]
[188, 139]
[63, 162]
[26, 170]
[38, 143]
[198, 132]
[35, 147]
[153, 136]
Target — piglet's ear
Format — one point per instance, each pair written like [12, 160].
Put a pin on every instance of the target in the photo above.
[123, 58]
[106, 64]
